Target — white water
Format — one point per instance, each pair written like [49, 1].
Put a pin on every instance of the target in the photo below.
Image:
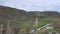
[46, 26]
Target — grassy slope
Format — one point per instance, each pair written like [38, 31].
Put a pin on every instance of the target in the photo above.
[11, 14]
[17, 18]
[48, 20]
[43, 22]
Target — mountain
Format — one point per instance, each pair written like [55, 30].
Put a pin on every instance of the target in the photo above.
[18, 18]
[15, 16]
[21, 16]
[47, 13]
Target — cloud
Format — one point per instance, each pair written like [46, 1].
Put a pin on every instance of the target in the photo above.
[33, 4]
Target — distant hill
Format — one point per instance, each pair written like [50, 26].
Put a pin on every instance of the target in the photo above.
[47, 13]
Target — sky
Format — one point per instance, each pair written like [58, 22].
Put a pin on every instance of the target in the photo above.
[32, 5]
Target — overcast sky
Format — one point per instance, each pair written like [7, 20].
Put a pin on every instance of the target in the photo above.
[38, 5]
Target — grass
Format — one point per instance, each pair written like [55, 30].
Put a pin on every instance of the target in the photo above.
[57, 29]
[47, 21]
[44, 22]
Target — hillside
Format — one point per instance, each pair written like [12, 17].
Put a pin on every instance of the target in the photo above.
[15, 16]
[18, 18]
[47, 13]
[21, 16]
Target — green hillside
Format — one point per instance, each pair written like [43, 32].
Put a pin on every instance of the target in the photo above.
[19, 18]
